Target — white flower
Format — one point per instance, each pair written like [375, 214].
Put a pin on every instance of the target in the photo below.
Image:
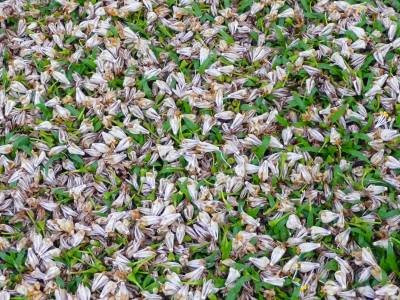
[83, 293]
[307, 266]
[18, 87]
[261, 263]
[60, 77]
[387, 290]
[376, 189]
[367, 257]
[232, 276]
[277, 254]
[308, 247]
[293, 222]
[317, 232]
[334, 137]
[194, 275]
[276, 281]
[338, 60]
[392, 163]
[328, 216]
[6, 149]
[74, 149]
[388, 134]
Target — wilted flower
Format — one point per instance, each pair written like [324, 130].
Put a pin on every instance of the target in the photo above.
[154, 149]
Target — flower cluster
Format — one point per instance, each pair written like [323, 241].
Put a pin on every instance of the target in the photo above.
[237, 149]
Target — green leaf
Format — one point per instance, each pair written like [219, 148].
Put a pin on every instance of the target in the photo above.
[47, 112]
[227, 3]
[227, 37]
[279, 35]
[184, 189]
[356, 154]
[197, 10]
[23, 143]
[339, 113]
[190, 125]
[170, 170]
[244, 5]
[211, 259]
[226, 247]
[61, 196]
[384, 214]
[282, 121]
[296, 293]
[331, 265]
[306, 5]
[298, 102]
[207, 62]
[234, 292]
[261, 149]
[361, 136]
[368, 61]
[116, 83]
[97, 124]
[391, 258]
[89, 63]
[77, 160]
[144, 85]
